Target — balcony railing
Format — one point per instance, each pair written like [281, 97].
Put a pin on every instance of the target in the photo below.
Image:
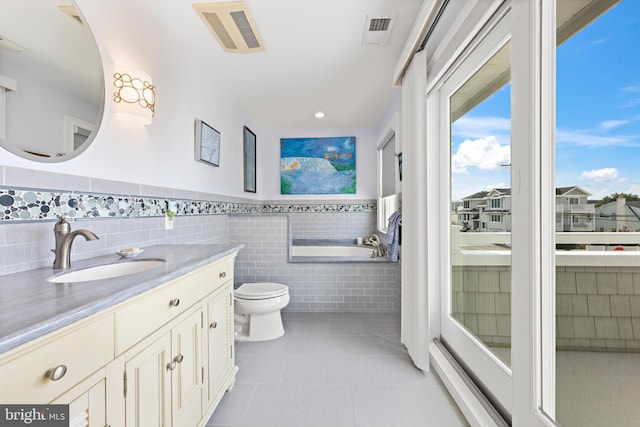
[590, 249]
[579, 208]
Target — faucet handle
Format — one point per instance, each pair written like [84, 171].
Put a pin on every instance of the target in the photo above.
[62, 226]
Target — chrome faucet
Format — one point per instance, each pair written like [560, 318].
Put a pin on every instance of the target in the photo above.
[374, 240]
[64, 239]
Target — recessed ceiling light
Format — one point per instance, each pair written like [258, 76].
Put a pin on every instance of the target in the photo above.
[319, 115]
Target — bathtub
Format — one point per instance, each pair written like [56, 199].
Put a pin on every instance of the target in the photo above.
[331, 251]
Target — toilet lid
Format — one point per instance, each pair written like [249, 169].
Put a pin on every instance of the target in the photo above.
[261, 290]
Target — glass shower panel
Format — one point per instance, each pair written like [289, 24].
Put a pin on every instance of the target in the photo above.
[480, 195]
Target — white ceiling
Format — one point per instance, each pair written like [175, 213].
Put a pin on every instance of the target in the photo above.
[314, 58]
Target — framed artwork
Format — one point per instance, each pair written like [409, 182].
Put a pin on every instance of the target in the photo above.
[249, 160]
[207, 144]
[318, 165]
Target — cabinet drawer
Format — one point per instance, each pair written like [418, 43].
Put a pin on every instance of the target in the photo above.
[221, 272]
[141, 317]
[81, 350]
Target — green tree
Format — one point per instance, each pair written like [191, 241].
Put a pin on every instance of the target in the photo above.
[613, 197]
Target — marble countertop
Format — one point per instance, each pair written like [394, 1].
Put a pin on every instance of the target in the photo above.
[31, 307]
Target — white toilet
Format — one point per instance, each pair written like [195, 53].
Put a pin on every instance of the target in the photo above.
[257, 311]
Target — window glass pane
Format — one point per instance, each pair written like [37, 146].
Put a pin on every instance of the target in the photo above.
[481, 214]
[388, 168]
[598, 213]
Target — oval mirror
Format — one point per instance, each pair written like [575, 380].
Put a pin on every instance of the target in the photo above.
[51, 80]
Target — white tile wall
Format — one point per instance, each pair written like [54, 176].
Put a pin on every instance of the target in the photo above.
[329, 225]
[313, 286]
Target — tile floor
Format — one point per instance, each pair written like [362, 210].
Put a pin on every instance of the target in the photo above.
[334, 370]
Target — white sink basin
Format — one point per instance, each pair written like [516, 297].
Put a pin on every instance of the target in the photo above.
[106, 271]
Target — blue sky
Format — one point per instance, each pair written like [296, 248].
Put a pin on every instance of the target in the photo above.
[598, 115]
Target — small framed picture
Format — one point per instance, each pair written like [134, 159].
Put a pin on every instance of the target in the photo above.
[249, 160]
[207, 144]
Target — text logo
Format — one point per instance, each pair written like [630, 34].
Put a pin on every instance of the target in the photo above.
[34, 415]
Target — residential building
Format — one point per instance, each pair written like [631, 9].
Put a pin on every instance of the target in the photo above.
[490, 211]
[621, 215]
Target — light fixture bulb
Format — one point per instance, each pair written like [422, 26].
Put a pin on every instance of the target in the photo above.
[319, 115]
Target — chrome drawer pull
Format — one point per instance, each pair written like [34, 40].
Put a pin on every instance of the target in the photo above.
[174, 302]
[54, 374]
[179, 358]
[213, 325]
[171, 366]
[223, 274]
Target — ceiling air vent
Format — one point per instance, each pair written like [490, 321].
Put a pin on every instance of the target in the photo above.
[232, 25]
[377, 30]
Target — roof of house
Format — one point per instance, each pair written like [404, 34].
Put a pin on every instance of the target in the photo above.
[503, 191]
[507, 192]
[478, 195]
[560, 191]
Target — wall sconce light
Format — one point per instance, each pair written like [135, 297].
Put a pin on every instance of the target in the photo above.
[135, 94]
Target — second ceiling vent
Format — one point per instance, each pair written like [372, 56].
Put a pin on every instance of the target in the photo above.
[377, 30]
[232, 25]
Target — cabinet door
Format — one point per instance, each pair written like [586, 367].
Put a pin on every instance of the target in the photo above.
[219, 352]
[89, 409]
[187, 376]
[87, 402]
[148, 385]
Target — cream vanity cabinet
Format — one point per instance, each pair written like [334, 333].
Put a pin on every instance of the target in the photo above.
[68, 366]
[162, 358]
[219, 349]
[163, 378]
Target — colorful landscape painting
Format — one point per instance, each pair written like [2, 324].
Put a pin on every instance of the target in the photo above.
[318, 165]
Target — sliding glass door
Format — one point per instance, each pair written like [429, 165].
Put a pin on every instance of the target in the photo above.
[475, 108]
[538, 261]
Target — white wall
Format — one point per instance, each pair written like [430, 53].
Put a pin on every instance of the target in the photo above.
[144, 35]
[132, 33]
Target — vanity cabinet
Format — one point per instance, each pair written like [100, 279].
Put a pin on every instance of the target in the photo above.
[88, 401]
[219, 350]
[46, 368]
[163, 378]
[162, 358]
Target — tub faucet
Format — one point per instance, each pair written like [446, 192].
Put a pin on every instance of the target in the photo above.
[64, 239]
[374, 241]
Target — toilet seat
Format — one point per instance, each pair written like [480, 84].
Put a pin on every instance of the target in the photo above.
[260, 290]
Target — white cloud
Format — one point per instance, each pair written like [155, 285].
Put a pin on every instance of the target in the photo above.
[496, 185]
[610, 124]
[480, 127]
[483, 153]
[600, 175]
[588, 139]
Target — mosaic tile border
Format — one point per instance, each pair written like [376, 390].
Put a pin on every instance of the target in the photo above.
[20, 204]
